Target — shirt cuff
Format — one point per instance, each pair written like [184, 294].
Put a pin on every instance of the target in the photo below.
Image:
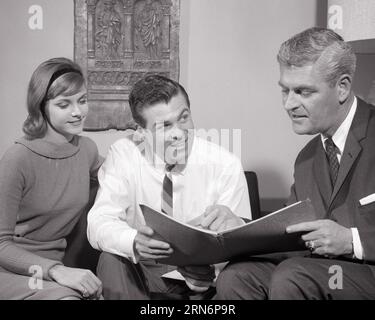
[126, 244]
[357, 245]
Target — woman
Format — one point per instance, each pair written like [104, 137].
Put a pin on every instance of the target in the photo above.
[44, 188]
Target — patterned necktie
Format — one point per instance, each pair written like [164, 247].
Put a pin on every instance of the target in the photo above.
[332, 151]
[167, 193]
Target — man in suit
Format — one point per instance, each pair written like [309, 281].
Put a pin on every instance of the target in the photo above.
[335, 170]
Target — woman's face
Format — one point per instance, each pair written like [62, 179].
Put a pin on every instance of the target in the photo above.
[67, 113]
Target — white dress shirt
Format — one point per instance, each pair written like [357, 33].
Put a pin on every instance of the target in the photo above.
[212, 175]
[339, 139]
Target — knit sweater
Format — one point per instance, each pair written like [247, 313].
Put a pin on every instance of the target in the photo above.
[44, 188]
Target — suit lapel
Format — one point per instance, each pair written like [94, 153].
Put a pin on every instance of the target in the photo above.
[353, 147]
[351, 152]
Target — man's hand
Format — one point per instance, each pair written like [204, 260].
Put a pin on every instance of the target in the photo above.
[218, 218]
[149, 248]
[325, 237]
[198, 278]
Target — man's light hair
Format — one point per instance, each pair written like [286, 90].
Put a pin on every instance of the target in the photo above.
[334, 56]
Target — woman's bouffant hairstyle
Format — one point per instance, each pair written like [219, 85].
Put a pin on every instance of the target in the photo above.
[54, 77]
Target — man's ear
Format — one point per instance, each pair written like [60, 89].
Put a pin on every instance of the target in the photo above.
[344, 86]
[139, 133]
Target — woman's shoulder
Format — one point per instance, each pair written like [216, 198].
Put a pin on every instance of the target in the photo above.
[91, 149]
[15, 157]
[16, 152]
[88, 144]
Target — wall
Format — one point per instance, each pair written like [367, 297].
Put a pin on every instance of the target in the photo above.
[232, 80]
[364, 80]
[22, 50]
[228, 66]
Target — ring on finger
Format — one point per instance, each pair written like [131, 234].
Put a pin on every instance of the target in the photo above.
[85, 293]
[310, 245]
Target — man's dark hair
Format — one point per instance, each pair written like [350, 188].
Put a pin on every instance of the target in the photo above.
[150, 90]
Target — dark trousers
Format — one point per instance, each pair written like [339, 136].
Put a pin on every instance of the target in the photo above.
[124, 280]
[296, 278]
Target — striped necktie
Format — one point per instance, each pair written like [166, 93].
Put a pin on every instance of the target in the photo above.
[167, 193]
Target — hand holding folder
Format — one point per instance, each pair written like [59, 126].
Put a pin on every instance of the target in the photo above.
[195, 246]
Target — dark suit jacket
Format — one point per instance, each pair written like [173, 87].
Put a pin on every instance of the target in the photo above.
[356, 179]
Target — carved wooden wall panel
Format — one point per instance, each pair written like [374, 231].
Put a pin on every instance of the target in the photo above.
[116, 43]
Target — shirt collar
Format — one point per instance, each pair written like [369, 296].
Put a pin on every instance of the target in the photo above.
[52, 150]
[339, 137]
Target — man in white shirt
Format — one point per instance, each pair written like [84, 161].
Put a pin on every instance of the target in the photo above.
[335, 170]
[162, 156]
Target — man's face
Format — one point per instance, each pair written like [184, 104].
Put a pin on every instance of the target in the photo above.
[171, 127]
[310, 102]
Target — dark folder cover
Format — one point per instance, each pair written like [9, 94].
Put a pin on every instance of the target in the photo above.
[195, 246]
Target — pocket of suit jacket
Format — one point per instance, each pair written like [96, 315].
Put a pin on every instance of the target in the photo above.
[367, 204]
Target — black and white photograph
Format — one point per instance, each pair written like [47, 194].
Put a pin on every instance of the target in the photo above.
[187, 154]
